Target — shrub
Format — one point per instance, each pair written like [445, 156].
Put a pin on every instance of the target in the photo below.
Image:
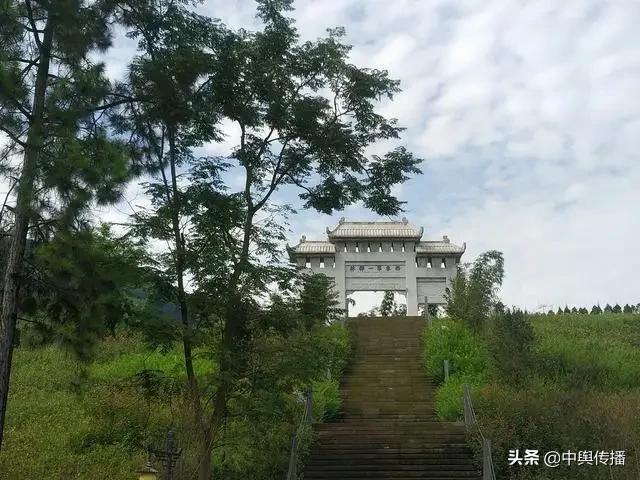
[453, 341]
[449, 404]
[327, 400]
[473, 293]
[545, 418]
[511, 344]
[468, 361]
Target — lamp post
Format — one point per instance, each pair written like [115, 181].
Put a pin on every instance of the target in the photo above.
[148, 472]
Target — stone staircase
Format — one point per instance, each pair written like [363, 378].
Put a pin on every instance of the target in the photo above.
[389, 429]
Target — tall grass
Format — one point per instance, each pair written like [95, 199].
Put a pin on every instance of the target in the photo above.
[602, 351]
[68, 420]
[46, 417]
[581, 391]
[468, 362]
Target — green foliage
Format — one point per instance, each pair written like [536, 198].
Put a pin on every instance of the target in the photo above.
[453, 341]
[80, 289]
[556, 419]
[511, 344]
[70, 419]
[318, 303]
[386, 307]
[80, 162]
[468, 363]
[269, 412]
[327, 399]
[595, 310]
[49, 424]
[577, 389]
[473, 293]
[449, 396]
[600, 351]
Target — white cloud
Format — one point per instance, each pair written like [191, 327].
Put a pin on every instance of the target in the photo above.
[528, 117]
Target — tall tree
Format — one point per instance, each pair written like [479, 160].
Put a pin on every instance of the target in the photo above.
[52, 96]
[176, 55]
[304, 117]
[473, 294]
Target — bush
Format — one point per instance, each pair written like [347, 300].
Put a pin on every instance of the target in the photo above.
[511, 344]
[62, 424]
[473, 293]
[449, 404]
[545, 418]
[453, 341]
[468, 360]
[327, 400]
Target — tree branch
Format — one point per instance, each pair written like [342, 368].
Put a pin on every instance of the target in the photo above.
[13, 136]
[35, 30]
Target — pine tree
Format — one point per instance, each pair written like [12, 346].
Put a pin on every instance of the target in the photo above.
[608, 309]
[173, 112]
[627, 308]
[616, 308]
[566, 309]
[51, 97]
[559, 312]
[574, 310]
[386, 307]
[595, 310]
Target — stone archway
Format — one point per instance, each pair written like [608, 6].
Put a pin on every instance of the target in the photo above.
[378, 256]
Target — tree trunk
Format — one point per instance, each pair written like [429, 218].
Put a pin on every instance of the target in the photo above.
[232, 334]
[179, 257]
[24, 204]
[193, 390]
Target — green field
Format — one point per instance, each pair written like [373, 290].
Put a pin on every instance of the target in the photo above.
[73, 420]
[580, 390]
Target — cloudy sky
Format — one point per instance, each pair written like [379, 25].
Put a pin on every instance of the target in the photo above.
[528, 116]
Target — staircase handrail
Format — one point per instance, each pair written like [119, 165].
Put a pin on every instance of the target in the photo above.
[307, 418]
[471, 421]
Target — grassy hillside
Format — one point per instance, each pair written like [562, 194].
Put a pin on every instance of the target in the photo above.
[602, 351]
[69, 420]
[578, 390]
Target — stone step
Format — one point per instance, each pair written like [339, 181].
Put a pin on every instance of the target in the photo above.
[388, 427]
[369, 467]
[442, 473]
[374, 427]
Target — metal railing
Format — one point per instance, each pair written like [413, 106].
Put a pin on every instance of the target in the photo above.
[296, 437]
[471, 422]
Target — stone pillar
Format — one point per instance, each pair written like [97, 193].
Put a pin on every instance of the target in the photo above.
[411, 282]
[339, 278]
